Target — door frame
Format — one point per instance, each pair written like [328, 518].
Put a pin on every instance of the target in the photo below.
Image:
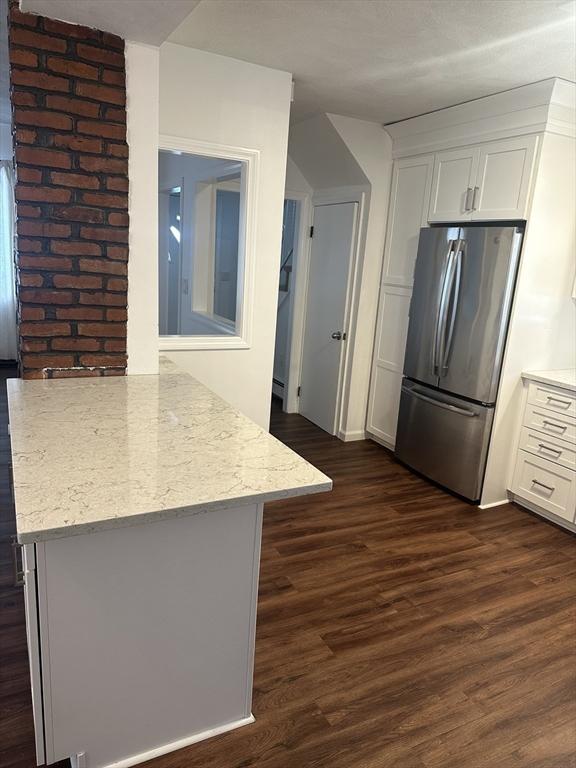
[300, 265]
[358, 195]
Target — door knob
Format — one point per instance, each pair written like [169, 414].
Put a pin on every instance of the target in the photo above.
[337, 335]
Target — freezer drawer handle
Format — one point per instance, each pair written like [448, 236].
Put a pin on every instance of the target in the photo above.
[545, 447]
[551, 399]
[17, 568]
[439, 403]
[549, 488]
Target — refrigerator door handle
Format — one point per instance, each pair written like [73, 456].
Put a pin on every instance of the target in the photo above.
[454, 294]
[438, 330]
[440, 403]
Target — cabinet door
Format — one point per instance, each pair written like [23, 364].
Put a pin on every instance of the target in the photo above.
[388, 363]
[454, 174]
[503, 182]
[407, 212]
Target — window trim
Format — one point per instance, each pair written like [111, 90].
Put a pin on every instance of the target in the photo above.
[247, 251]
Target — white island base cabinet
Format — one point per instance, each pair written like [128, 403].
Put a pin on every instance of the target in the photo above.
[141, 638]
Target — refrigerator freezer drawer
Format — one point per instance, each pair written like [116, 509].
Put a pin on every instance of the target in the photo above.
[443, 437]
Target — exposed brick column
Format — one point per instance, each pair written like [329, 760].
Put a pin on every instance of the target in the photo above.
[69, 95]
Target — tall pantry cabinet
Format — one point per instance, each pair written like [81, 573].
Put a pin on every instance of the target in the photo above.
[477, 162]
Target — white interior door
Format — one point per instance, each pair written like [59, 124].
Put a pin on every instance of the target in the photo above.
[324, 330]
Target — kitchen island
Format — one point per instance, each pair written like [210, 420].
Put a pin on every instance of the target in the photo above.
[139, 506]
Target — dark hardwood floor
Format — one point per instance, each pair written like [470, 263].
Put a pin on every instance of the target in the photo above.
[398, 627]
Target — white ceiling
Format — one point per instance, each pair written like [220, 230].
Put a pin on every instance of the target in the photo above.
[380, 60]
[146, 21]
[389, 59]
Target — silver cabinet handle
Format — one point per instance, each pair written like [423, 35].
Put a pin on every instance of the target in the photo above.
[474, 198]
[440, 403]
[17, 568]
[561, 427]
[550, 488]
[545, 447]
[337, 335]
[551, 399]
[467, 204]
[441, 311]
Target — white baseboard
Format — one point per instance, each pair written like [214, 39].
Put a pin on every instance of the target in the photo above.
[494, 504]
[348, 437]
[381, 441]
[142, 757]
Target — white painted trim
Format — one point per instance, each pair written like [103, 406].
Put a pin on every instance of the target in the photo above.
[251, 157]
[300, 282]
[494, 504]
[545, 106]
[352, 435]
[142, 757]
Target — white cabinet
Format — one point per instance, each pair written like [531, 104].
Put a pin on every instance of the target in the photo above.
[407, 213]
[409, 195]
[544, 476]
[483, 182]
[388, 363]
[141, 638]
[454, 175]
[503, 180]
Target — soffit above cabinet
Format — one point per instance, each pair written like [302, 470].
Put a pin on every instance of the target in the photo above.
[549, 105]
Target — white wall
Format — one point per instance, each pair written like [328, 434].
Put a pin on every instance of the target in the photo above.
[318, 150]
[371, 147]
[542, 333]
[206, 97]
[142, 97]
[333, 154]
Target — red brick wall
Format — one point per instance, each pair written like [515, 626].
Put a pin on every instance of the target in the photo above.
[68, 92]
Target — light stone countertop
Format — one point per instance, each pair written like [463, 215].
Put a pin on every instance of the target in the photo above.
[565, 378]
[90, 454]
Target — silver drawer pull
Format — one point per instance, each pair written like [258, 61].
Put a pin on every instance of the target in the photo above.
[551, 399]
[561, 427]
[544, 447]
[550, 488]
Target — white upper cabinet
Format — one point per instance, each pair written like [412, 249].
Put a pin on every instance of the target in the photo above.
[454, 174]
[409, 196]
[484, 182]
[503, 181]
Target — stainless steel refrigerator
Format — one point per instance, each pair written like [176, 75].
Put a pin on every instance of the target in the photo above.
[463, 288]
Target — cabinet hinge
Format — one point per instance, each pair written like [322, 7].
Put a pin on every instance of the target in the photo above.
[311, 231]
[299, 391]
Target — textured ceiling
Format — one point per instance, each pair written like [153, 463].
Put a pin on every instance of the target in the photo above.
[145, 21]
[386, 60]
[380, 60]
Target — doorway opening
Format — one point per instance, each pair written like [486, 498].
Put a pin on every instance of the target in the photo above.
[315, 299]
[286, 292]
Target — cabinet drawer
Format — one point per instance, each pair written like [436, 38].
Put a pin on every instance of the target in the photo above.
[549, 448]
[549, 422]
[558, 400]
[547, 485]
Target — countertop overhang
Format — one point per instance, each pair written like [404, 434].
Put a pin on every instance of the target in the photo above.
[96, 453]
[565, 378]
